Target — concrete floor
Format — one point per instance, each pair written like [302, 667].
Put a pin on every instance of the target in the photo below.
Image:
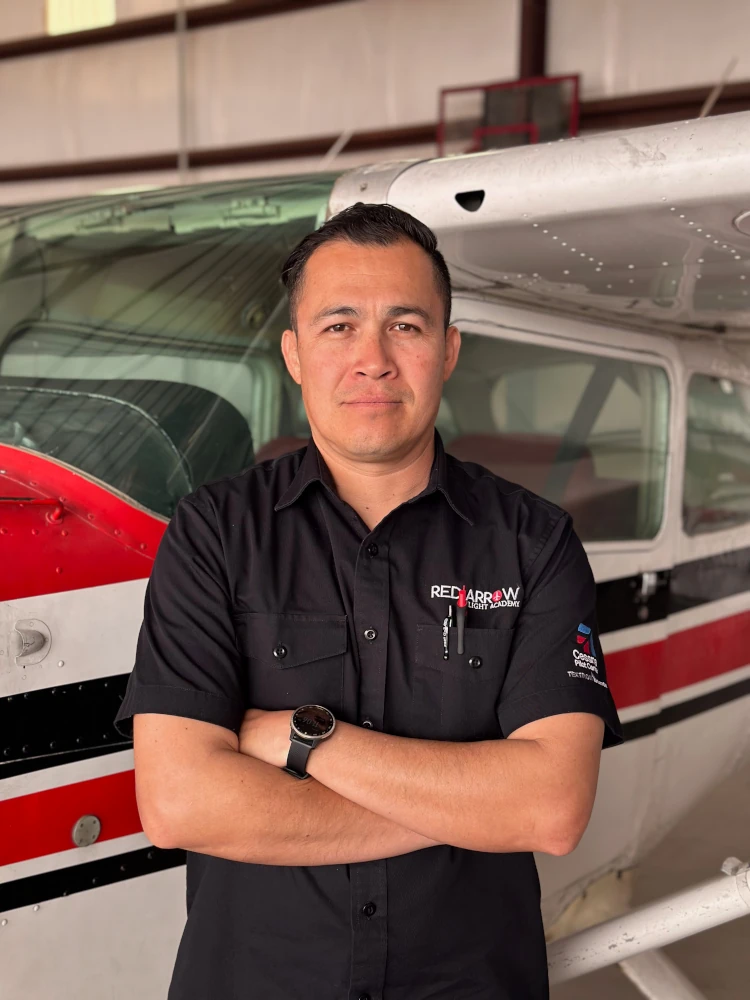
[718, 961]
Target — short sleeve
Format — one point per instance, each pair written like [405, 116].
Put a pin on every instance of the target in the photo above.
[556, 663]
[186, 659]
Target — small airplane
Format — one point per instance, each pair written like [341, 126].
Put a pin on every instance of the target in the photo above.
[602, 287]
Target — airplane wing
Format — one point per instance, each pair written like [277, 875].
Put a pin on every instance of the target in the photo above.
[647, 228]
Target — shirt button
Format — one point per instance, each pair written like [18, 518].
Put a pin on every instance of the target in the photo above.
[367, 723]
[476, 662]
[370, 634]
[368, 909]
[280, 651]
[372, 549]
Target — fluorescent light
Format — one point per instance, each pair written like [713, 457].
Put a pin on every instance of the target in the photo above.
[64, 16]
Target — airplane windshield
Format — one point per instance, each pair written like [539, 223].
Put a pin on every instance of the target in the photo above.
[139, 336]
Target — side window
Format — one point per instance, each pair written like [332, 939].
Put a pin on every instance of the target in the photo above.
[717, 458]
[587, 432]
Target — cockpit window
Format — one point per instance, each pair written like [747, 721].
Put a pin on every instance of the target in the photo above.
[717, 459]
[139, 337]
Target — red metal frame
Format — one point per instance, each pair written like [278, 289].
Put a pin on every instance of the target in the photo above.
[531, 81]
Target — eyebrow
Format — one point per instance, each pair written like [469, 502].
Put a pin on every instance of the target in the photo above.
[395, 311]
[335, 311]
[392, 313]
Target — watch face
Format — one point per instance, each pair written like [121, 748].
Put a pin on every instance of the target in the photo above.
[313, 721]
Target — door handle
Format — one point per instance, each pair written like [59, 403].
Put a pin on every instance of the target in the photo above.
[648, 587]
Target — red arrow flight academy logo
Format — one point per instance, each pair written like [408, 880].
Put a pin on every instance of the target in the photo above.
[480, 600]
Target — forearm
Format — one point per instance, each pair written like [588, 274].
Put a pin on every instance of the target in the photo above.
[242, 809]
[499, 795]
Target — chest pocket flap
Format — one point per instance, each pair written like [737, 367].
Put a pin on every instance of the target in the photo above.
[293, 659]
[291, 640]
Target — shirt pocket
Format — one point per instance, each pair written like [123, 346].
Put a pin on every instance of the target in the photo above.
[456, 699]
[292, 659]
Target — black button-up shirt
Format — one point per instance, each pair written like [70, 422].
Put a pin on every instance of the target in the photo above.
[269, 591]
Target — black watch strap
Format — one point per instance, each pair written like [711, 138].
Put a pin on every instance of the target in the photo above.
[296, 761]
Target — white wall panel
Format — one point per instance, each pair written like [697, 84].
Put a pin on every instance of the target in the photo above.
[21, 19]
[373, 64]
[634, 46]
[89, 104]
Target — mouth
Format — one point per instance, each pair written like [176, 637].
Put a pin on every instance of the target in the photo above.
[371, 402]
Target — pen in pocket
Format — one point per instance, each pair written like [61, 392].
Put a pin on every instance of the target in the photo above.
[461, 618]
[447, 622]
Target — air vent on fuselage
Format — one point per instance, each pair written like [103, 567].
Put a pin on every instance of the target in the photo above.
[471, 201]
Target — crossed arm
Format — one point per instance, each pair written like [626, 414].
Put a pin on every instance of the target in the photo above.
[371, 795]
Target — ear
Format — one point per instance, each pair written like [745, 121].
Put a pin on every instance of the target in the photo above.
[290, 350]
[452, 347]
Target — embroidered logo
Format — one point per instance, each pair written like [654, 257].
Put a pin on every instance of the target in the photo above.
[585, 639]
[584, 657]
[480, 600]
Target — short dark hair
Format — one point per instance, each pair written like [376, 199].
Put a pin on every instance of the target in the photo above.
[367, 225]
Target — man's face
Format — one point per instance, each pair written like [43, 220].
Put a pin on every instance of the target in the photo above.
[371, 352]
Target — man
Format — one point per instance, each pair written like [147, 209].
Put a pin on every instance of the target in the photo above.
[367, 574]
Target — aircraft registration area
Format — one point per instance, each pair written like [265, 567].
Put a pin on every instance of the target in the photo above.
[602, 287]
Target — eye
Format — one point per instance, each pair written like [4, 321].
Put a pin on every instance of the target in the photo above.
[405, 327]
[337, 327]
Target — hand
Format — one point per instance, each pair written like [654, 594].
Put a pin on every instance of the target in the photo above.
[265, 735]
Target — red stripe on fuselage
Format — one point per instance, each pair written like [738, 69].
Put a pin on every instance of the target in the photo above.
[689, 656]
[42, 823]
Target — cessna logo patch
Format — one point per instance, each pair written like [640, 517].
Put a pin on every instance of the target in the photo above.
[584, 657]
[480, 600]
[586, 640]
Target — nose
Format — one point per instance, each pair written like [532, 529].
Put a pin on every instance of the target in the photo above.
[373, 358]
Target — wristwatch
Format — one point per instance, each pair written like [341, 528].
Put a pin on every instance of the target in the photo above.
[310, 725]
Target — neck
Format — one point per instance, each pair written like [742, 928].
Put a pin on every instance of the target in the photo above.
[374, 489]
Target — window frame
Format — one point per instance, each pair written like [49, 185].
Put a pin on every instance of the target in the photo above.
[729, 532]
[505, 322]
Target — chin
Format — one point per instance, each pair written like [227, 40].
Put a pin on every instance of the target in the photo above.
[369, 442]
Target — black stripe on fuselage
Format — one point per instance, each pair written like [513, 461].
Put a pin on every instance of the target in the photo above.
[618, 602]
[712, 578]
[671, 714]
[90, 875]
[60, 725]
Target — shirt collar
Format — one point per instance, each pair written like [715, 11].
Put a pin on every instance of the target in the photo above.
[444, 476]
